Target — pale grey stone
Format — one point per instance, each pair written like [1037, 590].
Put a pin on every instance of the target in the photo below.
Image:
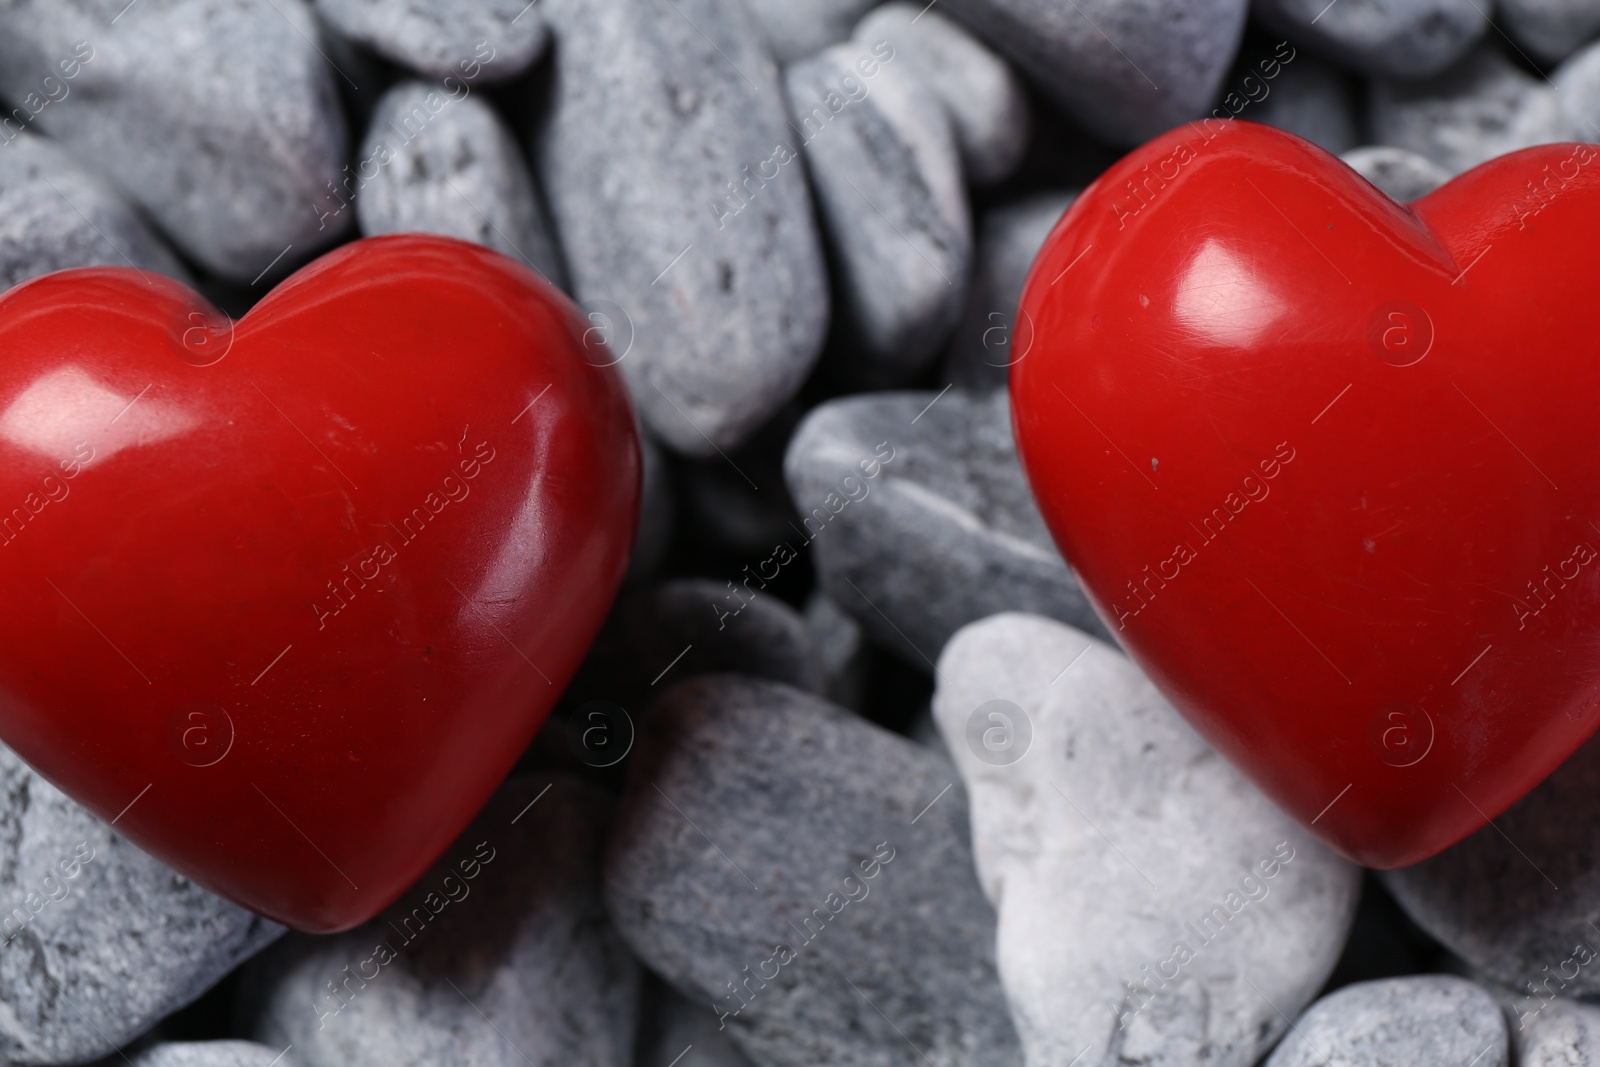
[448, 165]
[1433, 1020]
[794, 30]
[654, 113]
[490, 39]
[1107, 833]
[886, 170]
[759, 816]
[981, 350]
[1125, 69]
[1554, 1033]
[941, 532]
[500, 955]
[214, 1054]
[1551, 29]
[117, 939]
[218, 117]
[1404, 39]
[56, 214]
[985, 101]
[1399, 172]
[1314, 100]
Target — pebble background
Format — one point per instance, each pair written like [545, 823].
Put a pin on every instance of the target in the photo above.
[786, 814]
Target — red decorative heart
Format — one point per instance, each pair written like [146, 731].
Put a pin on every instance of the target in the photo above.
[1324, 463]
[286, 598]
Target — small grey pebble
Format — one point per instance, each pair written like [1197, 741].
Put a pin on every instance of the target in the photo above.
[1555, 1033]
[1404, 39]
[447, 164]
[55, 214]
[492, 40]
[499, 956]
[942, 532]
[1126, 69]
[841, 649]
[1401, 173]
[703, 243]
[238, 176]
[985, 101]
[1551, 29]
[980, 353]
[101, 940]
[1430, 1020]
[674, 1024]
[805, 875]
[214, 1054]
[1312, 99]
[886, 170]
[794, 30]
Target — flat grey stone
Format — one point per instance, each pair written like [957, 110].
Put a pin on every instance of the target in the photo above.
[1399, 172]
[1434, 1020]
[886, 170]
[816, 887]
[658, 511]
[214, 1054]
[1311, 99]
[100, 940]
[795, 30]
[1496, 906]
[56, 214]
[921, 520]
[1125, 69]
[448, 165]
[1155, 908]
[218, 117]
[1405, 39]
[981, 353]
[1555, 1033]
[985, 101]
[490, 40]
[1550, 29]
[500, 955]
[717, 269]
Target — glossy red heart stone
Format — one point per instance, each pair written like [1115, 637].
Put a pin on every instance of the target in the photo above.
[287, 597]
[1326, 466]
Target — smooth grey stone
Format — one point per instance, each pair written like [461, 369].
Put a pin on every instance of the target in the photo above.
[828, 836]
[981, 354]
[795, 30]
[1577, 92]
[716, 268]
[679, 1031]
[214, 1054]
[100, 940]
[1107, 833]
[500, 955]
[985, 101]
[486, 40]
[55, 214]
[886, 170]
[218, 117]
[1125, 69]
[1401, 173]
[1555, 1033]
[1404, 39]
[1431, 1020]
[658, 512]
[921, 520]
[1491, 898]
[1551, 29]
[841, 649]
[448, 165]
[1314, 100]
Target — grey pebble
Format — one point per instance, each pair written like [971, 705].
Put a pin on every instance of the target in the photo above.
[885, 166]
[500, 955]
[236, 178]
[986, 103]
[1555, 1033]
[1403, 39]
[492, 39]
[1551, 29]
[675, 1026]
[100, 940]
[942, 532]
[447, 164]
[1315, 100]
[805, 876]
[981, 353]
[1402, 174]
[841, 650]
[795, 30]
[1155, 908]
[55, 214]
[214, 1054]
[1126, 69]
[1434, 1020]
[654, 113]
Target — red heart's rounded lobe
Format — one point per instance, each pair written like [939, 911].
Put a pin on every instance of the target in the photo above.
[286, 598]
[1328, 466]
